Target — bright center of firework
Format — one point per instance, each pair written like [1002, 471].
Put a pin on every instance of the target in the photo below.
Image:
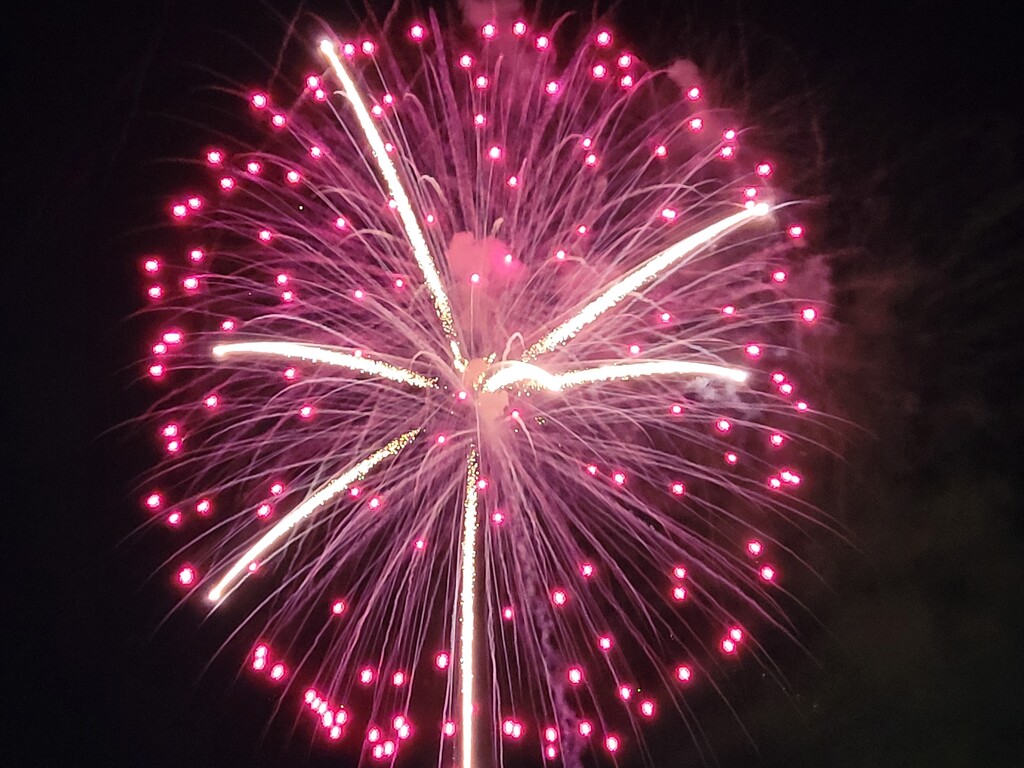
[490, 405]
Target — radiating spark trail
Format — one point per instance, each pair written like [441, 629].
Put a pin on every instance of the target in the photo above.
[638, 277]
[467, 610]
[316, 354]
[535, 376]
[420, 249]
[304, 510]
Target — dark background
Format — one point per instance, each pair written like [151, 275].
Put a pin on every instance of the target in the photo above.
[908, 119]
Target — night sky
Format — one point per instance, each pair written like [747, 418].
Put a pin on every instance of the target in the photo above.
[905, 122]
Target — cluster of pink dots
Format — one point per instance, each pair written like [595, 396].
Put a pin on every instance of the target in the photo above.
[329, 717]
[261, 662]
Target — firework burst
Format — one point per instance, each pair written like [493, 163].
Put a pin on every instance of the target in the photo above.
[475, 390]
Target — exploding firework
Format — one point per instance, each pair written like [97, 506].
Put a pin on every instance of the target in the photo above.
[477, 391]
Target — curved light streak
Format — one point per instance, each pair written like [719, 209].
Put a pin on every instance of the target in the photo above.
[642, 274]
[467, 608]
[420, 249]
[316, 354]
[535, 376]
[305, 509]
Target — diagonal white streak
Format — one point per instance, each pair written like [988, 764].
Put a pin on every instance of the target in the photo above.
[638, 277]
[327, 492]
[467, 608]
[534, 376]
[326, 356]
[413, 232]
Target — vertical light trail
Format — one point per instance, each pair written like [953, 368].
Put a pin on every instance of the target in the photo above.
[467, 609]
[638, 277]
[420, 249]
[335, 486]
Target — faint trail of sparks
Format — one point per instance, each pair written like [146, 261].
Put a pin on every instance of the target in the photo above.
[306, 508]
[420, 249]
[536, 376]
[467, 610]
[638, 277]
[328, 357]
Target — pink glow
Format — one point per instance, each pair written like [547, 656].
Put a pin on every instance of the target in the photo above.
[265, 235]
[599, 71]
[661, 151]
[585, 728]
[263, 511]
[481, 82]
[683, 673]
[619, 478]
[727, 152]
[591, 470]
[338, 607]
[278, 671]
[292, 177]
[417, 32]
[368, 47]
[611, 743]
[605, 642]
[398, 679]
[488, 31]
[731, 458]
[753, 350]
[552, 87]
[604, 38]
[290, 373]
[735, 634]
[776, 439]
[728, 310]
[179, 211]
[374, 502]
[448, 729]
[253, 168]
[196, 255]
[519, 28]
[647, 708]
[678, 489]
[550, 734]
[669, 214]
[590, 160]
[211, 401]
[227, 183]
[679, 572]
[441, 660]
[767, 573]
[634, 349]
[559, 597]
[358, 294]
[204, 507]
[676, 409]
[779, 276]
[159, 348]
[479, 120]
[808, 314]
[543, 42]
[801, 405]
[190, 283]
[678, 594]
[174, 518]
[625, 692]
[259, 100]
[626, 81]
[156, 370]
[693, 94]
[494, 153]
[278, 120]
[763, 169]
[186, 575]
[498, 518]
[366, 675]
[306, 412]
[465, 61]
[575, 675]
[420, 544]
[151, 265]
[625, 60]
[586, 570]
[728, 646]
[723, 425]
[796, 231]
[754, 548]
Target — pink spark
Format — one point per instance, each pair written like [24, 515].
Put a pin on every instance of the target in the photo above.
[678, 489]
[604, 642]
[808, 314]
[731, 458]
[441, 660]
[779, 276]
[417, 32]
[585, 728]
[542, 43]
[559, 597]
[519, 28]
[586, 570]
[263, 511]
[186, 575]
[795, 231]
[611, 743]
[767, 573]
[619, 478]
[683, 673]
[575, 675]
[488, 31]
[507, 613]
[693, 94]
[676, 409]
[366, 675]
[338, 607]
[398, 679]
[647, 708]
[723, 425]
[211, 401]
[277, 672]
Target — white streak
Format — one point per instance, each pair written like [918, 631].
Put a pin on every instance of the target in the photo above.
[638, 277]
[305, 509]
[534, 376]
[420, 249]
[327, 357]
[467, 608]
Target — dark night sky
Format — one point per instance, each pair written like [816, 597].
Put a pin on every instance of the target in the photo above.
[913, 653]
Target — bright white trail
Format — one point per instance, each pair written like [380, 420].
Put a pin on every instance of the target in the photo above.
[534, 376]
[420, 249]
[305, 509]
[328, 357]
[467, 609]
[639, 276]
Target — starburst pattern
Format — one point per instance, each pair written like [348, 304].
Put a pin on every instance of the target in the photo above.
[473, 363]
